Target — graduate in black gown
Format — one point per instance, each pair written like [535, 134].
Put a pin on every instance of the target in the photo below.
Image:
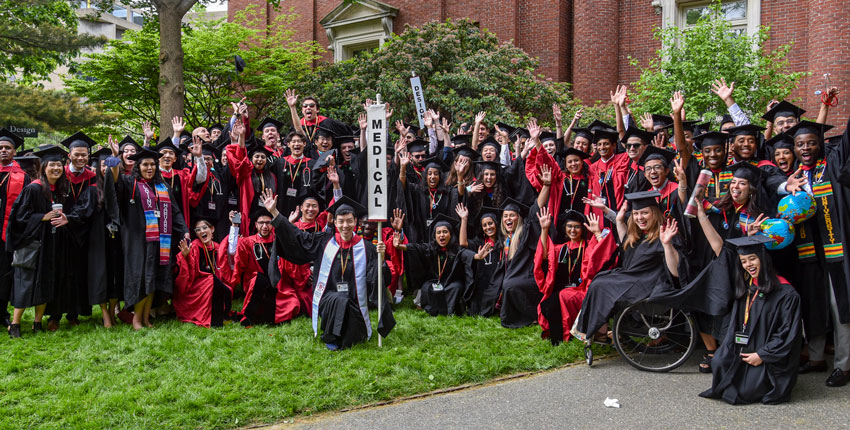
[40, 237]
[345, 282]
[111, 254]
[12, 180]
[447, 268]
[427, 198]
[150, 226]
[758, 357]
[650, 256]
[485, 293]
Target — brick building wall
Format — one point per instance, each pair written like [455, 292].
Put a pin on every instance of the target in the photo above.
[589, 42]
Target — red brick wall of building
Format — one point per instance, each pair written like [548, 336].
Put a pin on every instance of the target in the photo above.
[596, 48]
[637, 23]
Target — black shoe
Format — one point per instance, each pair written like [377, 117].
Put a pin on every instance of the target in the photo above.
[37, 327]
[14, 330]
[839, 378]
[6, 322]
[811, 366]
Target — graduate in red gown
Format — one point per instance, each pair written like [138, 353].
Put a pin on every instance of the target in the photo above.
[202, 295]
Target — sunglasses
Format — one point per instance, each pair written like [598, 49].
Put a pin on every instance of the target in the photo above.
[306, 105]
[633, 145]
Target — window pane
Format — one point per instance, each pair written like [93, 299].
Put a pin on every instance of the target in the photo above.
[693, 14]
[138, 19]
[119, 12]
[735, 10]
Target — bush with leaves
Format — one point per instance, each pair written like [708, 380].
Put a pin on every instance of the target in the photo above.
[463, 70]
[690, 59]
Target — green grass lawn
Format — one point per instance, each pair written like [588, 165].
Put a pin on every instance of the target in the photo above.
[177, 375]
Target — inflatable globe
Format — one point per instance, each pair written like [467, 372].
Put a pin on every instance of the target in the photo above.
[780, 230]
[797, 208]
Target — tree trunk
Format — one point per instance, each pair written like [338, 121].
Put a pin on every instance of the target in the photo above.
[171, 89]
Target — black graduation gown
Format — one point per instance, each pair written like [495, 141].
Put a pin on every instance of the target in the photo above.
[395, 194]
[341, 321]
[455, 282]
[575, 190]
[293, 182]
[6, 269]
[642, 270]
[774, 330]
[111, 254]
[143, 274]
[421, 212]
[515, 278]
[485, 293]
[49, 281]
[518, 186]
[212, 204]
[90, 272]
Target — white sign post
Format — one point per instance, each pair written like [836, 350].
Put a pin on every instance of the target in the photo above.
[376, 135]
[419, 98]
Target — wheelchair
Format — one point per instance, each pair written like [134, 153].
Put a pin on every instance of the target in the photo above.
[651, 337]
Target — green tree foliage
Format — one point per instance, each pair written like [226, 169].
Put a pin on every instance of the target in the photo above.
[463, 70]
[47, 110]
[125, 77]
[37, 36]
[691, 59]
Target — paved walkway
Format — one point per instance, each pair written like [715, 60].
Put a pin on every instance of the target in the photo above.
[572, 398]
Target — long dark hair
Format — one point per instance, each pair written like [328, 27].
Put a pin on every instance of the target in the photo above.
[61, 188]
[752, 208]
[767, 280]
[157, 176]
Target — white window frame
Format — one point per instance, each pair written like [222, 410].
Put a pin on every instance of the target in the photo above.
[673, 13]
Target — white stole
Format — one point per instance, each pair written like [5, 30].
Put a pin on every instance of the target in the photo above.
[359, 255]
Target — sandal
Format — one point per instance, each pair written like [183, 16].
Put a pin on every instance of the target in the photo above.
[705, 364]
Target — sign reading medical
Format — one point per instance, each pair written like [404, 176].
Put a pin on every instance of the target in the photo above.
[419, 98]
[376, 135]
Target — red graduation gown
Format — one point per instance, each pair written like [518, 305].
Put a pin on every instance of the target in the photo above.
[193, 288]
[14, 185]
[615, 171]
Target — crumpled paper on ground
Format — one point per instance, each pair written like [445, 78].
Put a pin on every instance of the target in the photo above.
[611, 403]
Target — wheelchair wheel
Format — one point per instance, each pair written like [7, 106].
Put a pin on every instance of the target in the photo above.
[588, 354]
[654, 338]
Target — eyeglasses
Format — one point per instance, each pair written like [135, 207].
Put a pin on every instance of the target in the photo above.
[200, 229]
[306, 105]
[655, 168]
[788, 122]
[264, 222]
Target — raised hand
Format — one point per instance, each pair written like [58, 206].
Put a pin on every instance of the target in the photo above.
[483, 251]
[294, 215]
[197, 147]
[595, 202]
[677, 102]
[446, 126]
[184, 247]
[404, 158]
[333, 175]
[389, 111]
[177, 125]
[362, 121]
[147, 130]
[534, 130]
[668, 231]
[755, 226]
[646, 121]
[402, 130]
[460, 165]
[723, 91]
[269, 200]
[545, 175]
[679, 172]
[544, 218]
[461, 211]
[113, 145]
[291, 98]
[577, 116]
[396, 240]
[592, 224]
[479, 117]
[796, 181]
[435, 116]
[428, 119]
[658, 141]
[556, 113]
[477, 187]
[622, 95]
[397, 221]
[621, 215]
[243, 108]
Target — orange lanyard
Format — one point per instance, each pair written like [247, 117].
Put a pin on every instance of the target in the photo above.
[749, 307]
[443, 267]
[571, 263]
[297, 168]
[344, 262]
[209, 260]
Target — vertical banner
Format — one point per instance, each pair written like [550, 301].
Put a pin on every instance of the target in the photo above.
[376, 135]
[419, 98]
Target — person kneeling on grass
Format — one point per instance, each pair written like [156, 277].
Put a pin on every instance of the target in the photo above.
[758, 358]
[345, 283]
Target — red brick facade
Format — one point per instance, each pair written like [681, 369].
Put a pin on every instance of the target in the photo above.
[589, 42]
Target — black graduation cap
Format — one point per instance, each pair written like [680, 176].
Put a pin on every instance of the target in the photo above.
[783, 109]
[655, 153]
[583, 132]
[339, 140]
[144, 153]
[570, 215]
[645, 136]
[52, 153]
[269, 122]
[808, 127]
[747, 245]
[491, 142]
[8, 136]
[492, 165]
[321, 161]
[258, 147]
[417, 145]
[466, 151]
[311, 194]
[27, 160]
[597, 124]
[643, 199]
[522, 132]
[547, 136]
[833, 140]
[461, 139]
[701, 128]
[711, 138]
[512, 205]
[78, 140]
[572, 151]
[781, 141]
[128, 140]
[504, 127]
[435, 162]
[686, 125]
[662, 120]
[412, 128]
[167, 143]
[346, 203]
[444, 220]
[745, 170]
[726, 119]
[102, 153]
[605, 133]
[214, 126]
[210, 149]
[745, 130]
[496, 213]
[239, 63]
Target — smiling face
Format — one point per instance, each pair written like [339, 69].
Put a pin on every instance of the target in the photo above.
[740, 190]
[784, 159]
[549, 146]
[483, 132]
[54, 170]
[573, 230]
[324, 143]
[644, 218]
[263, 225]
[635, 147]
[581, 143]
[417, 157]
[432, 177]
[781, 124]
[203, 133]
[510, 220]
[309, 210]
[442, 235]
[605, 148]
[574, 164]
[168, 158]
[488, 178]
[488, 226]
[655, 172]
[296, 146]
[79, 157]
[489, 153]
[345, 149]
[259, 160]
[345, 224]
[126, 153]
[807, 146]
[215, 133]
[744, 147]
[204, 230]
[271, 136]
[714, 156]
[310, 109]
[751, 264]
[147, 168]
